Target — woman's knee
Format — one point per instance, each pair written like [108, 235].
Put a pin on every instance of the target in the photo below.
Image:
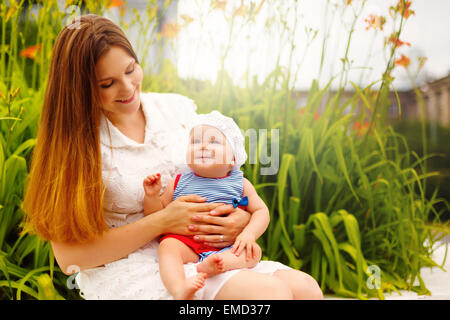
[248, 285]
[313, 289]
[302, 285]
[277, 289]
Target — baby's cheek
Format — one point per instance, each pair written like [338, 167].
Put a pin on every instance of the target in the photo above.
[229, 155]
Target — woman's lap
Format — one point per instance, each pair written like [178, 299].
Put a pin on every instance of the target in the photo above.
[302, 285]
[282, 284]
[251, 285]
[137, 277]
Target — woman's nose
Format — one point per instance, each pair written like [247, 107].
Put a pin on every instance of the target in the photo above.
[128, 87]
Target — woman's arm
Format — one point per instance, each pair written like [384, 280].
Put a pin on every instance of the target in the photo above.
[117, 243]
[112, 245]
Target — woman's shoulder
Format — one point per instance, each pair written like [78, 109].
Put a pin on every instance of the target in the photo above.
[168, 102]
[170, 110]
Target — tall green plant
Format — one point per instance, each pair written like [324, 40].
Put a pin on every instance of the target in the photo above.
[348, 196]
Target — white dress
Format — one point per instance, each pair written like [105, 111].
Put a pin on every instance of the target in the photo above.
[125, 163]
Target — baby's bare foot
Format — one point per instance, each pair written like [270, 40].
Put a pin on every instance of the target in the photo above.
[212, 265]
[190, 286]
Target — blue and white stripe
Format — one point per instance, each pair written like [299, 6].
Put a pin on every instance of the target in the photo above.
[213, 189]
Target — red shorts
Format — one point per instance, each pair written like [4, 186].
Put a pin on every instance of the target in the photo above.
[198, 247]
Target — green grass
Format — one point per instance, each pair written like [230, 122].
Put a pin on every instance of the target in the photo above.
[343, 199]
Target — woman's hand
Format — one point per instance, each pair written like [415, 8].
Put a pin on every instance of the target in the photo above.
[177, 216]
[221, 226]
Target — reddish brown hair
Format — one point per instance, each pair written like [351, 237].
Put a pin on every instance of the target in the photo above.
[64, 194]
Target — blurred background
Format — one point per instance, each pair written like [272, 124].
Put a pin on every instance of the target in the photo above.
[201, 35]
[357, 91]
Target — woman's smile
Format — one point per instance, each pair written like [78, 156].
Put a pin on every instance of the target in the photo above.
[126, 101]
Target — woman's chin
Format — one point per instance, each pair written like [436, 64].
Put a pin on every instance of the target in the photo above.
[130, 108]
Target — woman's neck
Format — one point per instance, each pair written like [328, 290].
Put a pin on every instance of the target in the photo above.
[126, 120]
[132, 126]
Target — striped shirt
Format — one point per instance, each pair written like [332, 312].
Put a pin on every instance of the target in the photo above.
[213, 189]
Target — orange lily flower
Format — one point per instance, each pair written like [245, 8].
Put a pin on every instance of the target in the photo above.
[403, 61]
[302, 111]
[220, 4]
[397, 42]
[31, 52]
[403, 7]
[241, 11]
[348, 2]
[375, 22]
[114, 3]
[170, 30]
[361, 128]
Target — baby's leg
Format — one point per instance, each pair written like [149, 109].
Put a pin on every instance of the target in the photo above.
[224, 261]
[172, 255]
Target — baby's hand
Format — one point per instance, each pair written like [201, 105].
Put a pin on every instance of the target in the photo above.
[152, 185]
[247, 242]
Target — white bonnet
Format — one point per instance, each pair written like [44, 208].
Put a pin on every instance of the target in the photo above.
[230, 130]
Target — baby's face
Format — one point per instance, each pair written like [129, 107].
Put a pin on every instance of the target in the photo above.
[209, 153]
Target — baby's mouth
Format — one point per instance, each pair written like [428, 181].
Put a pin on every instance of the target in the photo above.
[204, 156]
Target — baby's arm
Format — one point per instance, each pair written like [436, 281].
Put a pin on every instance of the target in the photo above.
[258, 222]
[152, 200]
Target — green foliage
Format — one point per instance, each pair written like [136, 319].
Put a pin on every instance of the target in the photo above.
[439, 159]
[25, 261]
[340, 201]
[343, 198]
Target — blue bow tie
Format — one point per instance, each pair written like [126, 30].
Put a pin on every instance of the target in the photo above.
[240, 202]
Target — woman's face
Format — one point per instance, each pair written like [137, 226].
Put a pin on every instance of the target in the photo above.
[209, 153]
[119, 82]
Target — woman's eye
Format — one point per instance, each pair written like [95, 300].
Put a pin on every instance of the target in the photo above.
[131, 71]
[107, 85]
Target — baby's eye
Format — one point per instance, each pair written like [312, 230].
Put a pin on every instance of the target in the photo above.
[215, 141]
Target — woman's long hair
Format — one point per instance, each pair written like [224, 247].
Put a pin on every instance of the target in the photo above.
[64, 193]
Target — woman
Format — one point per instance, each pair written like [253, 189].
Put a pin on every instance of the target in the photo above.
[99, 136]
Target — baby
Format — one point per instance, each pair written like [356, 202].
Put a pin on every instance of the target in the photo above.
[215, 153]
